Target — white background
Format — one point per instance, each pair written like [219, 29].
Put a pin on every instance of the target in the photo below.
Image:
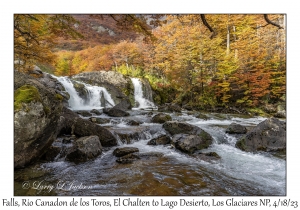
[9, 7]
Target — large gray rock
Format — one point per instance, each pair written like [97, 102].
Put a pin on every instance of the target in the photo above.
[75, 125]
[37, 111]
[84, 113]
[81, 90]
[175, 127]
[124, 105]
[50, 82]
[161, 118]
[96, 112]
[234, 128]
[190, 143]
[52, 153]
[269, 135]
[160, 140]
[85, 148]
[119, 152]
[113, 112]
[99, 120]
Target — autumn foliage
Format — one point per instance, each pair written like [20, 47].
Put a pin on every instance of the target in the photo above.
[239, 60]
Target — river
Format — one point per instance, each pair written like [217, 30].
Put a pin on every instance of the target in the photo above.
[164, 170]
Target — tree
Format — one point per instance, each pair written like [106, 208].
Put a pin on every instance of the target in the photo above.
[34, 37]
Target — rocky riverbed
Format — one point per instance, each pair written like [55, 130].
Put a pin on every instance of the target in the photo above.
[126, 149]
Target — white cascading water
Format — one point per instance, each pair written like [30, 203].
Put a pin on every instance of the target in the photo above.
[95, 93]
[139, 95]
[94, 100]
[75, 101]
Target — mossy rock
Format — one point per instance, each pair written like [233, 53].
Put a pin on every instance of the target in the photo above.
[161, 118]
[129, 91]
[59, 97]
[241, 144]
[25, 94]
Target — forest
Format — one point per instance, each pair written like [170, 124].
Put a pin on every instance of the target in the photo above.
[150, 105]
[199, 61]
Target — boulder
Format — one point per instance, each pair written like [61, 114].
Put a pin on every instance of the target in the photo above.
[160, 140]
[51, 153]
[99, 120]
[280, 114]
[234, 128]
[81, 90]
[84, 113]
[161, 118]
[269, 135]
[48, 81]
[123, 105]
[175, 127]
[95, 111]
[37, 111]
[190, 143]
[113, 112]
[68, 139]
[75, 125]
[85, 148]
[119, 152]
[133, 123]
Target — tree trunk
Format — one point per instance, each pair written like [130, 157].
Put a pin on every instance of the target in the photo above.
[228, 40]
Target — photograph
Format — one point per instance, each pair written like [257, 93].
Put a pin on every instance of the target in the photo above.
[150, 104]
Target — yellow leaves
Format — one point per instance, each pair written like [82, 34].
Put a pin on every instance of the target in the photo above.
[34, 38]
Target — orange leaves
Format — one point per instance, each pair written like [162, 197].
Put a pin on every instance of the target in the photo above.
[101, 57]
[34, 37]
[243, 64]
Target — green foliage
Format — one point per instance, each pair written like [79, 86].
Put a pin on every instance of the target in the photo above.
[257, 111]
[62, 67]
[130, 71]
[25, 94]
[242, 65]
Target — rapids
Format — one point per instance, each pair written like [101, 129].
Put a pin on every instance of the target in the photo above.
[165, 170]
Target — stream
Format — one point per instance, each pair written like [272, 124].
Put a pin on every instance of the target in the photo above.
[164, 170]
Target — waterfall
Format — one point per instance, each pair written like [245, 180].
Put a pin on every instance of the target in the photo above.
[141, 101]
[93, 100]
[95, 95]
[75, 101]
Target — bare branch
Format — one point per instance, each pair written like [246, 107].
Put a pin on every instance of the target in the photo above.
[214, 33]
[272, 23]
